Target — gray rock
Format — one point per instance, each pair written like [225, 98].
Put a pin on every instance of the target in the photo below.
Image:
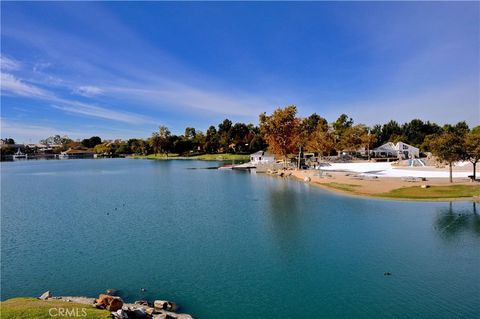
[137, 314]
[142, 303]
[165, 305]
[45, 295]
[159, 304]
[120, 314]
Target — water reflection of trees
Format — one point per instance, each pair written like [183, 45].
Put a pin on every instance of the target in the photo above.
[285, 210]
[451, 222]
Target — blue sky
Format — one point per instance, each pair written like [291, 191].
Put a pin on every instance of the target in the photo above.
[121, 69]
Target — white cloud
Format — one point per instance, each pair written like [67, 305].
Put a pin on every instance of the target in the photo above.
[194, 98]
[40, 66]
[28, 133]
[10, 84]
[99, 112]
[88, 90]
[8, 64]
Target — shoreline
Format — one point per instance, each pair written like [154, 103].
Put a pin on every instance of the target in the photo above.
[107, 305]
[341, 183]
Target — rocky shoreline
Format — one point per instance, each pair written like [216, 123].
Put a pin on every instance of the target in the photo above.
[141, 309]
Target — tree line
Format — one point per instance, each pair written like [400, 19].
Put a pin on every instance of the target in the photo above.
[286, 133]
[283, 132]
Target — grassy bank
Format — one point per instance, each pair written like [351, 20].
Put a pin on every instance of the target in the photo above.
[443, 192]
[204, 157]
[25, 308]
[222, 157]
[342, 187]
[434, 192]
[157, 156]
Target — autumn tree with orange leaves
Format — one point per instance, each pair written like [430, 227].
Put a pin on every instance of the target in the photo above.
[281, 130]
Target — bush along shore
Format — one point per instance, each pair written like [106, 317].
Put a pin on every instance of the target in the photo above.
[112, 305]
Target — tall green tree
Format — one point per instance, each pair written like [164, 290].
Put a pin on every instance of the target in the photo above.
[190, 133]
[449, 147]
[92, 141]
[341, 125]
[472, 148]
[8, 141]
[155, 143]
[211, 140]
[164, 139]
[311, 123]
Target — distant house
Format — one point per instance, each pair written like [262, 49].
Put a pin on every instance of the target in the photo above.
[400, 150]
[262, 157]
[77, 153]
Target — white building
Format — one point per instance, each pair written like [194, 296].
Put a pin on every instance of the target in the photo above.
[262, 157]
[407, 151]
[401, 150]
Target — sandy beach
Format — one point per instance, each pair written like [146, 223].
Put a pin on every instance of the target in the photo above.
[375, 179]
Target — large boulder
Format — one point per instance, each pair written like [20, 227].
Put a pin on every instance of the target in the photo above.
[110, 303]
[165, 305]
[138, 313]
[142, 303]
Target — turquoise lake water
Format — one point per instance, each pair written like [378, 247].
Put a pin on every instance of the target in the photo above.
[232, 244]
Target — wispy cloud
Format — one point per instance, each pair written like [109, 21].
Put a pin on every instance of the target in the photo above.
[40, 66]
[184, 96]
[27, 132]
[158, 83]
[8, 64]
[76, 107]
[85, 69]
[88, 90]
[14, 86]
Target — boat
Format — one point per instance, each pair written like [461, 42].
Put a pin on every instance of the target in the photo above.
[19, 155]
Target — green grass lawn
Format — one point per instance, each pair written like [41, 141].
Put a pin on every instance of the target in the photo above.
[26, 308]
[222, 157]
[204, 157]
[342, 187]
[157, 156]
[434, 192]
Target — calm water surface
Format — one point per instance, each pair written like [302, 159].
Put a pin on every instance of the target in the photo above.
[231, 244]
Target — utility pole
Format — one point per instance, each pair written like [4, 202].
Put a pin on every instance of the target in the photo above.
[368, 144]
[299, 154]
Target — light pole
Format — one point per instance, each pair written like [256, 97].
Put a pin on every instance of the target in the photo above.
[368, 144]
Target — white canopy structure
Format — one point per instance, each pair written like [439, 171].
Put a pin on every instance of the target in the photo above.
[401, 150]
